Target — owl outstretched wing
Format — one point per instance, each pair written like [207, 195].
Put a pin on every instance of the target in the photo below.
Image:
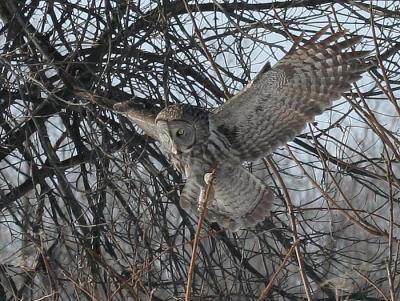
[277, 105]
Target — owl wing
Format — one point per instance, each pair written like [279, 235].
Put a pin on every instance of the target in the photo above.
[238, 199]
[278, 104]
[142, 114]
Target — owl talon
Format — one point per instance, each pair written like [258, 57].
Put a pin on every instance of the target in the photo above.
[208, 177]
[202, 200]
[200, 203]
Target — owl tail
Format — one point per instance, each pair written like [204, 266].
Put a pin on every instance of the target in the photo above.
[238, 199]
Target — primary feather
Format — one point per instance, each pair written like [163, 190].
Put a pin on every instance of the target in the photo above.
[278, 104]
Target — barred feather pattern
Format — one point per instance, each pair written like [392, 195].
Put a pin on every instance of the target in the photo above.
[238, 199]
[278, 104]
[266, 114]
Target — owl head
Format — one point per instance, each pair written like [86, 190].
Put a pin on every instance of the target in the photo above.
[179, 128]
[182, 127]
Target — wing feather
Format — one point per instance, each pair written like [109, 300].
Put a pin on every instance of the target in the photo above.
[278, 104]
[238, 198]
[142, 114]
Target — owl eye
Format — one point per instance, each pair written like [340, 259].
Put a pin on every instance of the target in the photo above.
[180, 132]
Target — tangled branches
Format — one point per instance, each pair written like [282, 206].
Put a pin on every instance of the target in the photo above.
[89, 205]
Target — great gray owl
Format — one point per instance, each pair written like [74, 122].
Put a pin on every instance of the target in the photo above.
[269, 112]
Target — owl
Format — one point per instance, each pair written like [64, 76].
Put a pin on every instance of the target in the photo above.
[266, 114]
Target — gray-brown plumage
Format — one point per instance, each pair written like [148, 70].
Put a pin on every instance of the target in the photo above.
[269, 112]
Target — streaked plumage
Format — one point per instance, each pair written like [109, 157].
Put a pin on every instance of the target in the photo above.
[269, 112]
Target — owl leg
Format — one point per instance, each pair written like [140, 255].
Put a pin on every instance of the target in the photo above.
[211, 214]
[203, 190]
[201, 199]
[189, 196]
[193, 195]
[238, 199]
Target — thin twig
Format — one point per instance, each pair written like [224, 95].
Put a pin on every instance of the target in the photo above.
[357, 222]
[356, 216]
[372, 283]
[204, 46]
[266, 290]
[388, 91]
[292, 220]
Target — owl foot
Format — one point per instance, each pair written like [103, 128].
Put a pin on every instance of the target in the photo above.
[202, 200]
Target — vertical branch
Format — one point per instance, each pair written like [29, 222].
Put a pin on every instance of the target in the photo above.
[203, 209]
[389, 260]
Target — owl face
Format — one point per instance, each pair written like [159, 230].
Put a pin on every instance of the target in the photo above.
[182, 127]
[178, 136]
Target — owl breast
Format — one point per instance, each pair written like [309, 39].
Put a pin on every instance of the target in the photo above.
[194, 164]
[204, 157]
